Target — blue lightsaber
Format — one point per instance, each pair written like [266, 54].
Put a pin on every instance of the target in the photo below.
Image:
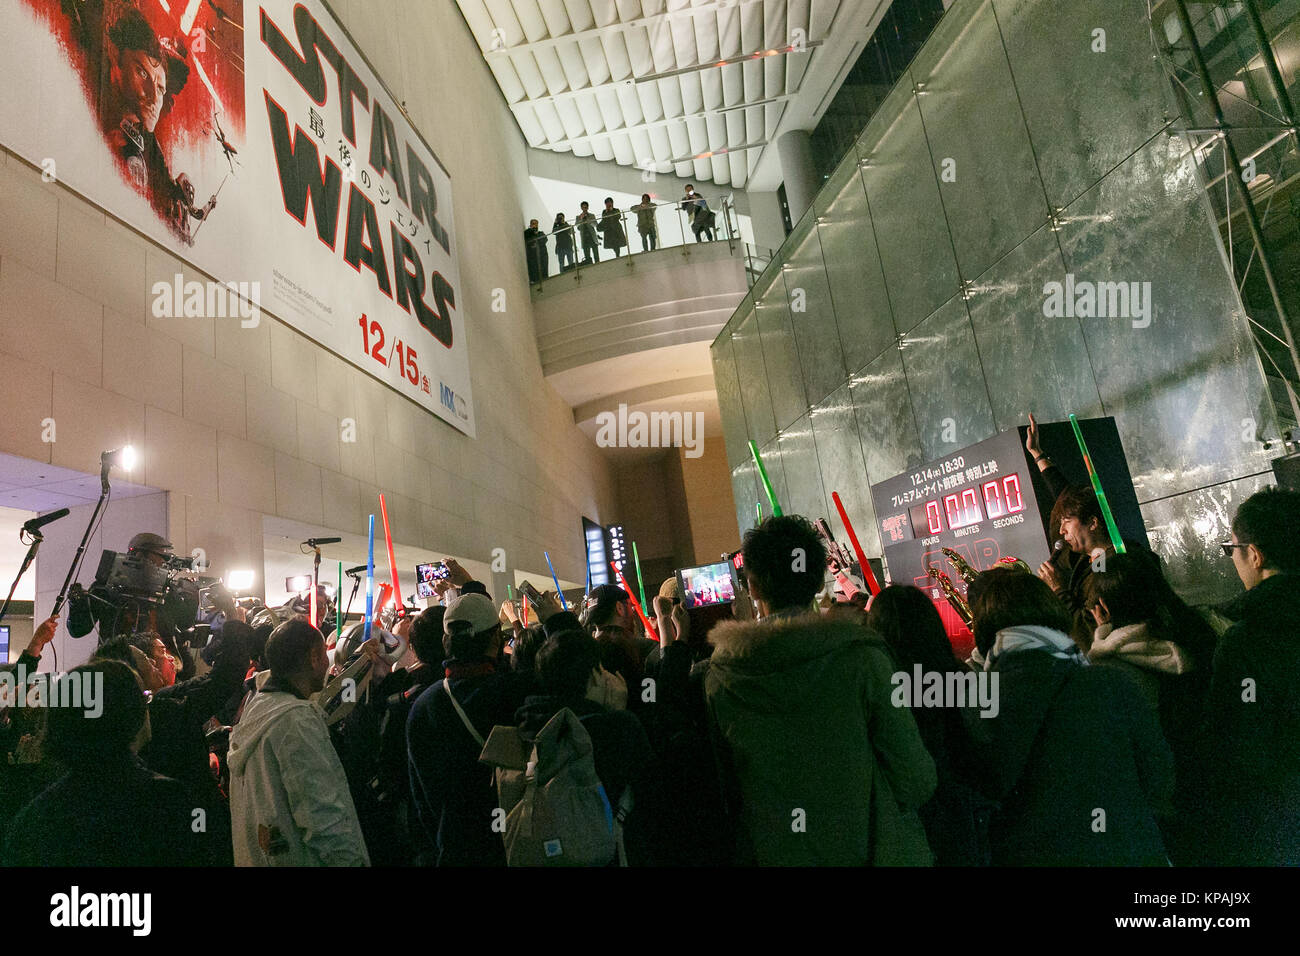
[563, 603]
[370, 580]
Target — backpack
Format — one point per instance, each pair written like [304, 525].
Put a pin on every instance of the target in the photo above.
[556, 810]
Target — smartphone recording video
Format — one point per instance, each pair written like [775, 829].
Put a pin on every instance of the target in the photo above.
[707, 585]
[426, 574]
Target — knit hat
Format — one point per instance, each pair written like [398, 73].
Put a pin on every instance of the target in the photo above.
[671, 589]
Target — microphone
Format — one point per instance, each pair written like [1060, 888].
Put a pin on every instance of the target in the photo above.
[33, 526]
[354, 572]
[317, 542]
[1060, 543]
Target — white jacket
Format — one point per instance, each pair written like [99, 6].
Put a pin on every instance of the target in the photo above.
[289, 799]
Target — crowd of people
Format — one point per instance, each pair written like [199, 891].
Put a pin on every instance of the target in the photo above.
[1127, 728]
[608, 230]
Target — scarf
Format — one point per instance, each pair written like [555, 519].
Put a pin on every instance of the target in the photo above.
[1032, 637]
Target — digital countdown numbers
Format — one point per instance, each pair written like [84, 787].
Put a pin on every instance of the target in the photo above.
[995, 499]
[980, 502]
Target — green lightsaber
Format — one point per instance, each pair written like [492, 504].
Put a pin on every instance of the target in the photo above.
[767, 485]
[758, 511]
[1111, 529]
[636, 559]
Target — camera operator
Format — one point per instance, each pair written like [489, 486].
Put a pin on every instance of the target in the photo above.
[116, 613]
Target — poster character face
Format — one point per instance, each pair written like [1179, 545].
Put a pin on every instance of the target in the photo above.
[141, 84]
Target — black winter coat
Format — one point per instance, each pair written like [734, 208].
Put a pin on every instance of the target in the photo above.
[1069, 744]
[114, 813]
[1254, 730]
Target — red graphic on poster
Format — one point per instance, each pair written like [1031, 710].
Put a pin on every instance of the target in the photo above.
[160, 76]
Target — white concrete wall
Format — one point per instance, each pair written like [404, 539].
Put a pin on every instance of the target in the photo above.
[239, 423]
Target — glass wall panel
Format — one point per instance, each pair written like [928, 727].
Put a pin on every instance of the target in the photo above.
[812, 313]
[946, 382]
[1032, 363]
[747, 492]
[780, 351]
[920, 272]
[1185, 530]
[857, 281]
[978, 144]
[752, 375]
[886, 421]
[1087, 106]
[803, 478]
[734, 431]
[1175, 366]
[839, 452]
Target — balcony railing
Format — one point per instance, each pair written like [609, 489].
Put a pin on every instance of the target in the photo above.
[633, 232]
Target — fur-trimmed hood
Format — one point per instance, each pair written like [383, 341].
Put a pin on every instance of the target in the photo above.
[1136, 644]
[790, 657]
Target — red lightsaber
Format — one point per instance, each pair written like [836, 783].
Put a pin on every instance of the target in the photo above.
[872, 584]
[392, 561]
[649, 628]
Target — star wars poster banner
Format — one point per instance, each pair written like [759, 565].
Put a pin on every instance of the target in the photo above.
[253, 140]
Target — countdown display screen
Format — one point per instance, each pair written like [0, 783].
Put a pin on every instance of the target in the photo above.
[979, 501]
[970, 506]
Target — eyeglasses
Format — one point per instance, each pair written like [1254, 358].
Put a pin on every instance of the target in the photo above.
[1227, 547]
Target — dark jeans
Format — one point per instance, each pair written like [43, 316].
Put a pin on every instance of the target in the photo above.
[563, 255]
[649, 241]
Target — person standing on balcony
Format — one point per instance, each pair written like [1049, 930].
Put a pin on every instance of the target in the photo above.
[563, 233]
[535, 244]
[586, 223]
[646, 224]
[611, 225]
[697, 208]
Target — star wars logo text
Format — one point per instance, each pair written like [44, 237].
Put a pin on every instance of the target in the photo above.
[304, 181]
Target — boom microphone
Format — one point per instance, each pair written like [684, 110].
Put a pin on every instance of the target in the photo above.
[317, 542]
[353, 572]
[31, 527]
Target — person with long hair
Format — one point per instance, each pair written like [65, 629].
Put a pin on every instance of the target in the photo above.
[955, 818]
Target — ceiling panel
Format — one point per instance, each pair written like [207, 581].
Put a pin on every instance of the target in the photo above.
[638, 81]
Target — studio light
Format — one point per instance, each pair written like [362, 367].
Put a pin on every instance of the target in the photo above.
[123, 458]
[239, 580]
